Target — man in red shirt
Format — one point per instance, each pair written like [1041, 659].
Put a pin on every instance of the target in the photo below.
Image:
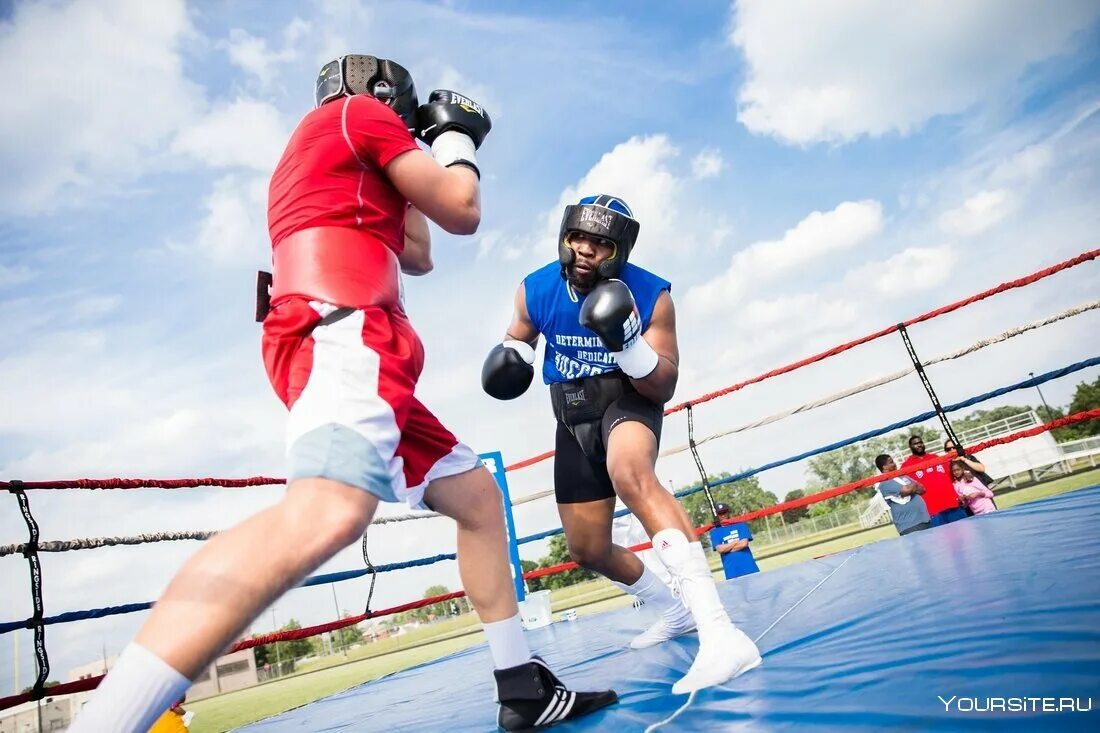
[346, 214]
[939, 492]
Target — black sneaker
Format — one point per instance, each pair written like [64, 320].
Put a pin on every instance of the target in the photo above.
[532, 697]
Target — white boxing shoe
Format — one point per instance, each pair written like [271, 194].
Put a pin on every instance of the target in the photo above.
[662, 630]
[724, 653]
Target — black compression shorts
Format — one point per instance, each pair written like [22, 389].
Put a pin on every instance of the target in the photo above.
[578, 479]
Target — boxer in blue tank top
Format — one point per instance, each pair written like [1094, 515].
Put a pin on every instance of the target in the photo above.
[611, 361]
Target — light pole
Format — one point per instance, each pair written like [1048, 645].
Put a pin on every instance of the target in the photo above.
[278, 656]
[338, 615]
[1050, 415]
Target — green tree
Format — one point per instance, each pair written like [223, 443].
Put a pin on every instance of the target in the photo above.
[50, 683]
[435, 610]
[790, 516]
[1085, 397]
[287, 650]
[348, 635]
[741, 496]
[341, 638]
[535, 584]
[979, 418]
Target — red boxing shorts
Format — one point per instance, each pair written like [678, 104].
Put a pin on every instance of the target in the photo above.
[348, 377]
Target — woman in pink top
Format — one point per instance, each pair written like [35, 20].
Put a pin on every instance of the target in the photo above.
[971, 491]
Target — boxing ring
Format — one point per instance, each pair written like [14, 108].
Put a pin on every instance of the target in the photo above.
[869, 638]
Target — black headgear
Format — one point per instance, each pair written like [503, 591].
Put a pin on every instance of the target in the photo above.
[382, 79]
[721, 508]
[607, 217]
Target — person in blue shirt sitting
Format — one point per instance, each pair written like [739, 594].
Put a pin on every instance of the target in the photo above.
[731, 541]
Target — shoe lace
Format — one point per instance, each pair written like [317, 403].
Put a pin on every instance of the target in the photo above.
[676, 585]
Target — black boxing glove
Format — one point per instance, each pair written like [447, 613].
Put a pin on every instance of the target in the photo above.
[508, 370]
[610, 312]
[454, 126]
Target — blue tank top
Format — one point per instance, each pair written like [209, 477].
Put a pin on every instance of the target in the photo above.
[572, 351]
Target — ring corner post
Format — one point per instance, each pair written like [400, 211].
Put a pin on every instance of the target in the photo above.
[495, 463]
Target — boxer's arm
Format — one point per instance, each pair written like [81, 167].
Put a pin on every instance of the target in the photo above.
[451, 197]
[660, 384]
[522, 328]
[509, 369]
[416, 258]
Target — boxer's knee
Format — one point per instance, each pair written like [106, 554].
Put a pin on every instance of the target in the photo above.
[590, 553]
[633, 480]
[472, 499]
[327, 513]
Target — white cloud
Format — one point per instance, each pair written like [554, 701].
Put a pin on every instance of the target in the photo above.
[451, 78]
[638, 171]
[821, 233]
[1024, 165]
[836, 71]
[12, 275]
[707, 164]
[252, 54]
[234, 227]
[91, 90]
[497, 244]
[245, 133]
[808, 309]
[978, 213]
[95, 306]
[765, 331]
[912, 270]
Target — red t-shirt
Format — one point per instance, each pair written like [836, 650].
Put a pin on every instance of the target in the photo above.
[332, 172]
[939, 491]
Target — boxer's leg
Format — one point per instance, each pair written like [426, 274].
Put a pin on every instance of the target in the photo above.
[341, 436]
[218, 593]
[452, 483]
[472, 499]
[724, 651]
[586, 503]
[588, 530]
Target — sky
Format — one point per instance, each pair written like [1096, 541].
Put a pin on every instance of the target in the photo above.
[804, 173]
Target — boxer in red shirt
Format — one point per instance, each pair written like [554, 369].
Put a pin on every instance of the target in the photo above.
[346, 213]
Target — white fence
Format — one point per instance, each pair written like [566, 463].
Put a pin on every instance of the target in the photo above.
[1038, 456]
[777, 530]
[877, 512]
[1084, 449]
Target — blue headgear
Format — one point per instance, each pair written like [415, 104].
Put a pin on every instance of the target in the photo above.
[603, 216]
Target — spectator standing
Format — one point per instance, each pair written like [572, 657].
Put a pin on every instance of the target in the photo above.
[970, 490]
[731, 542]
[939, 492]
[970, 461]
[903, 496]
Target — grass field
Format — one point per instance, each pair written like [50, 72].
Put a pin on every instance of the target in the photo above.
[321, 677]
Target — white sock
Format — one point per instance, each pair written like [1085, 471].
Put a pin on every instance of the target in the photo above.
[507, 643]
[688, 564]
[137, 691]
[656, 594]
